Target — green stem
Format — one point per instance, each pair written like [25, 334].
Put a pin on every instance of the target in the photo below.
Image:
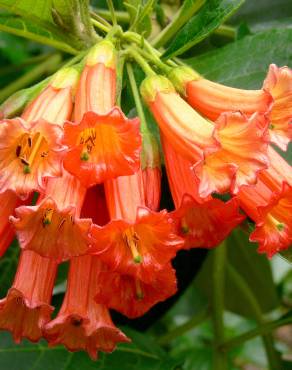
[122, 17]
[100, 26]
[112, 11]
[31, 76]
[100, 19]
[181, 17]
[218, 277]
[189, 325]
[243, 287]
[227, 31]
[137, 99]
[260, 330]
[141, 61]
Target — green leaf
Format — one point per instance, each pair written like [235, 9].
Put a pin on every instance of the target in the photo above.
[25, 28]
[142, 354]
[211, 15]
[8, 265]
[261, 15]
[140, 12]
[253, 267]
[244, 63]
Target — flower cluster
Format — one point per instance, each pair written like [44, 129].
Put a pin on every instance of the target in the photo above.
[98, 179]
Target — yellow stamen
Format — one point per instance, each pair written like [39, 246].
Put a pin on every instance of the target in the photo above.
[184, 227]
[87, 139]
[279, 225]
[47, 218]
[28, 148]
[132, 239]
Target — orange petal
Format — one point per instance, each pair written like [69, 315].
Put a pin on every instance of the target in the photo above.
[274, 228]
[206, 225]
[26, 309]
[52, 231]
[139, 249]
[131, 296]
[152, 186]
[29, 153]
[82, 324]
[102, 147]
[279, 84]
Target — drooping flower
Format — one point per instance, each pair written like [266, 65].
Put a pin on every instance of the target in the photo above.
[211, 99]
[30, 146]
[279, 83]
[202, 222]
[26, 308]
[103, 143]
[83, 324]
[137, 241]
[151, 171]
[269, 204]
[132, 296]
[190, 134]
[244, 145]
[53, 228]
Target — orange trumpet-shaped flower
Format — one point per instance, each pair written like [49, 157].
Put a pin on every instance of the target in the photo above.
[190, 134]
[279, 83]
[212, 99]
[26, 309]
[269, 205]
[103, 143]
[151, 171]
[30, 146]
[53, 228]
[244, 146]
[83, 324]
[137, 241]
[133, 297]
[202, 222]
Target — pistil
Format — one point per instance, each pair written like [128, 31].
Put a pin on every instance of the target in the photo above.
[132, 239]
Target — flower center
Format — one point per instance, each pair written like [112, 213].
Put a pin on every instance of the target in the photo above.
[132, 241]
[87, 139]
[279, 225]
[28, 148]
[184, 226]
[48, 215]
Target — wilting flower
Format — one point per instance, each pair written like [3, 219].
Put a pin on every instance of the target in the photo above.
[202, 222]
[53, 228]
[103, 143]
[212, 99]
[269, 205]
[151, 171]
[132, 296]
[137, 241]
[83, 324]
[26, 308]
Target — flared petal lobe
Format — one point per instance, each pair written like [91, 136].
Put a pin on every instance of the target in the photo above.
[206, 225]
[26, 309]
[102, 147]
[82, 324]
[244, 144]
[279, 84]
[140, 248]
[29, 153]
[133, 297]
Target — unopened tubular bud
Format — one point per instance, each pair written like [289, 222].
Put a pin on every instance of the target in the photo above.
[153, 85]
[104, 52]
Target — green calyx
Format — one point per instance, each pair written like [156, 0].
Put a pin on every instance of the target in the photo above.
[103, 52]
[65, 77]
[181, 76]
[153, 85]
